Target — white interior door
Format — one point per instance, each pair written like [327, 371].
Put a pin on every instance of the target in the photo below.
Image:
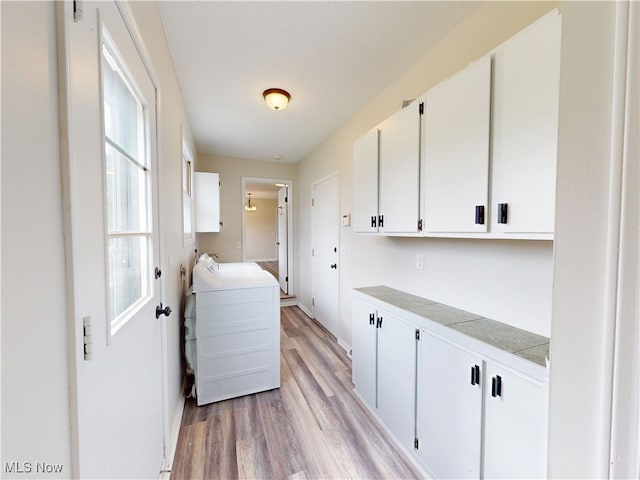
[283, 260]
[110, 170]
[325, 243]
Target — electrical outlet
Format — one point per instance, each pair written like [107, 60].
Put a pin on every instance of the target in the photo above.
[419, 261]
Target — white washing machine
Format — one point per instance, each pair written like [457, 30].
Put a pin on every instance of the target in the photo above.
[237, 331]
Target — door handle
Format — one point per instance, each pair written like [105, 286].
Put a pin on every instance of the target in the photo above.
[162, 311]
[334, 265]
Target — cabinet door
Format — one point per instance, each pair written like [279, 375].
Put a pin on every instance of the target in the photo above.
[525, 128]
[449, 409]
[456, 151]
[399, 180]
[363, 346]
[365, 183]
[515, 431]
[207, 201]
[397, 376]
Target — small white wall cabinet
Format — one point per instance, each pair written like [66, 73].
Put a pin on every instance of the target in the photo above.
[525, 129]
[207, 201]
[449, 423]
[399, 181]
[384, 353]
[365, 182]
[456, 128]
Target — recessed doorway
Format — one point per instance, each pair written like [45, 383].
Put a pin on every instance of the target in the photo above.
[267, 228]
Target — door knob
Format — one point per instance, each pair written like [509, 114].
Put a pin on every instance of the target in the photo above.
[334, 265]
[162, 311]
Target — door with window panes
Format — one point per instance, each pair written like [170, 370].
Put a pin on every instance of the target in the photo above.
[110, 106]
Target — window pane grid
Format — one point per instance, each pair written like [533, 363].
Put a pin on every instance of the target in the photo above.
[127, 195]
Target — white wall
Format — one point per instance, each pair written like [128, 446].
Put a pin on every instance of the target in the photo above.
[509, 281]
[35, 382]
[262, 230]
[228, 242]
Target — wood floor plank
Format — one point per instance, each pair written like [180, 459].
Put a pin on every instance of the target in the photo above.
[312, 427]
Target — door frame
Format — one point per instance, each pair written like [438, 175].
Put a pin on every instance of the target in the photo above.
[64, 12]
[243, 193]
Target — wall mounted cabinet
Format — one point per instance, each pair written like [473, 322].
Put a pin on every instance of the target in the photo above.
[365, 182]
[525, 129]
[482, 163]
[456, 151]
[207, 201]
[399, 182]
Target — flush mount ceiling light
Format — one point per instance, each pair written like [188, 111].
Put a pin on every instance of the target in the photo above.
[276, 98]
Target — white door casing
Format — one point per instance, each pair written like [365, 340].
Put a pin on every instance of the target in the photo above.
[117, 390]
[325, 221]
[283, 261]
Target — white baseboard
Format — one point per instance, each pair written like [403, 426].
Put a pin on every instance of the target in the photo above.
[165, 473]
[347, 348]
[305, 310]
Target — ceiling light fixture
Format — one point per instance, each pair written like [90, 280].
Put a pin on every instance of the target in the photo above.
[250, 207]
[276, 98]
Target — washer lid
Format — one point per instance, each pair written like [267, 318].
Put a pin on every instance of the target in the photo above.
[207, 280]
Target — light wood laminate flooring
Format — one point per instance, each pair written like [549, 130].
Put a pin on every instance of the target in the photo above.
[313, 426]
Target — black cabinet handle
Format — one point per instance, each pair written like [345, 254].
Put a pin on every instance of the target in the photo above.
[381, 220]
[475, 375]
[371, 318]
[379, 323]
[479, 214]
[502, 212]
[496, 386]
[373, 221]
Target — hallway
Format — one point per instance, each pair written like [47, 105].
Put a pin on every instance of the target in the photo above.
[312, 427]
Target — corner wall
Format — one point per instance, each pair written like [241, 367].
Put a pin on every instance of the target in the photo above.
[35, 380]
[509, 281]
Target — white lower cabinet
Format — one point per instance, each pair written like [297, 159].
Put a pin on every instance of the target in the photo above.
[364, 351]
[460, 408]
[397, 373]
[449, 423]
[515, 425]
[384, 364]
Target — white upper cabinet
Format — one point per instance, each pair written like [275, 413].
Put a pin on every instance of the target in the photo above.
[476, 155]
[456, 128]
[399, 182]
[365, 183]
[525, 129]
[207, 201]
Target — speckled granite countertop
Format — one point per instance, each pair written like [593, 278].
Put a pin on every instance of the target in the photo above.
[521, 343]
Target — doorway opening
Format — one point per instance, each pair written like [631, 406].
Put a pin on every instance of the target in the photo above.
[267, 228]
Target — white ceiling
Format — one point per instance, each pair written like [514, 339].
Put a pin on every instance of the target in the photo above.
[332, 56]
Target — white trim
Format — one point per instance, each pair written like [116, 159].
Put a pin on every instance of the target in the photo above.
[173, 445]
[624, 420]
[290, 213]
[136, 36]
[305, 310]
